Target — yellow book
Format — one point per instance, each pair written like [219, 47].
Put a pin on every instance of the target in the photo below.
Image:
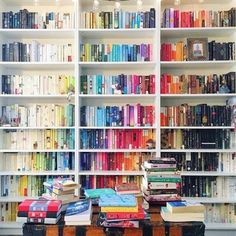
[120, 209]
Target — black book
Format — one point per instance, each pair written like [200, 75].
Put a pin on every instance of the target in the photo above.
[152, 18]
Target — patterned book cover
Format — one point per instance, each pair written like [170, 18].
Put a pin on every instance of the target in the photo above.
[117, 200]
[96, 193]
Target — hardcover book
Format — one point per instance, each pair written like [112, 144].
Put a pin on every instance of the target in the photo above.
[184, 207]
[109, 200]
[96, 193]
[77, 207]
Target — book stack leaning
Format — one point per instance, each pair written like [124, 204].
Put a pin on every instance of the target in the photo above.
[161, 182]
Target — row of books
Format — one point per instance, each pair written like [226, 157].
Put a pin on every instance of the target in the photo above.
[220, 213]
[113, 116]
[198, 84]
[117, 139]
[38, 139]
[220, 162]
[93, 182]
[14, 186]
[117, 84]
[112, 161]
[25, 19]
[115, 52]
[38, 84]
[197, 139]
[174, 18]
[38, 115]
[43, 161]
[197, 115]
[119, 19]
[216, 187]
[8, 211]
[36, 52]
[214, 51]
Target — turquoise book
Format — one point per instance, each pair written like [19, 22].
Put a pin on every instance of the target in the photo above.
[111, 200]
[96, 193]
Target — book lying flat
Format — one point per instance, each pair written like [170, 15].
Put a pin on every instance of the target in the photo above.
[120, 209]
[86, 222]
[39, 214]
[117, 200]
[78, 207]
[184, 207]
[180, 217]
[96, 193]
[38, 220]
[127, 188]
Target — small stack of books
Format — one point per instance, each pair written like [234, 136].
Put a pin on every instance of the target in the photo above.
[94, 194]
[79, 213]
[120, 211]
[183, 211]
[161, 182]
[39, 211]
[61, 189]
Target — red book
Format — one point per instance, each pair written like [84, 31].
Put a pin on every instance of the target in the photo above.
[40, 205]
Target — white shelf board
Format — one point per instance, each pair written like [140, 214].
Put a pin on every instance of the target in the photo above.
[117, 150]
[220, 226]
[39, 2]
[196, 32]
[215, 95]
[199, 150]
[125, 96]
[38, 33]
[118, 127]
[36, 173]
[209, 200]
[38, 65]
[21, 96]
[118, 65]
[197, 64]
[117, 33]
[191, 2]
[15, 199]
[206, 173]
[35, 128]
[197, 127]
[107, 172]
[35, 150]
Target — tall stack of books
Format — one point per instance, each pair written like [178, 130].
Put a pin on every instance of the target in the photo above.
[161, 182]
[183, 211]
[79, 213]
[39, 211]
[61, 189]
[120, 211]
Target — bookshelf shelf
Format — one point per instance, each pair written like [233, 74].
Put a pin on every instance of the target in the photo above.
[117, 127]
[196, 32]
[38, 33]
[174, 96]
[33, 128]
[198, 150]
[197, 127]
[19, 96]
[105, 172]
[207, 173]
[42, 3]
[209, 200]
[14, 199]
[38, 65]
[196, 64]
[117, 33]
[11, 228]
[117, 65]
[35, 150]
[220, 226]
[191, 2]
[125, 96]
[118, 150]
[37, 173]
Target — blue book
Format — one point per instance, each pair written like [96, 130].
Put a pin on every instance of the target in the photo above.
[77, 207]
[117, 200]
[96, 193]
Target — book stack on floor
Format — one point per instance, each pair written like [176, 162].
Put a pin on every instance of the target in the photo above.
[94, 194]
[61, 189]
[39, 211]
[79, 213]
[161, 182]
[182, 211]
[120, 211]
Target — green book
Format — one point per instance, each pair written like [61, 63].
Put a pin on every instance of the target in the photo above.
[96, 193]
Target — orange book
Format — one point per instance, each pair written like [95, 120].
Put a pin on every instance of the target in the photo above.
[179, 51]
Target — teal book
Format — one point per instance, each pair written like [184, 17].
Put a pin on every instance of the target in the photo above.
[124, 200]
[96, 193]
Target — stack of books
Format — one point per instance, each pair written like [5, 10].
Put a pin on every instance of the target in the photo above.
[161, 182]
[183, 211]
[94, 194]
[79, 213]
[61, 189]
[120, 211]
[39, 211]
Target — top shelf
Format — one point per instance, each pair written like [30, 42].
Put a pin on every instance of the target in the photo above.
[197, 32]
[171, 2]
[39, 2]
